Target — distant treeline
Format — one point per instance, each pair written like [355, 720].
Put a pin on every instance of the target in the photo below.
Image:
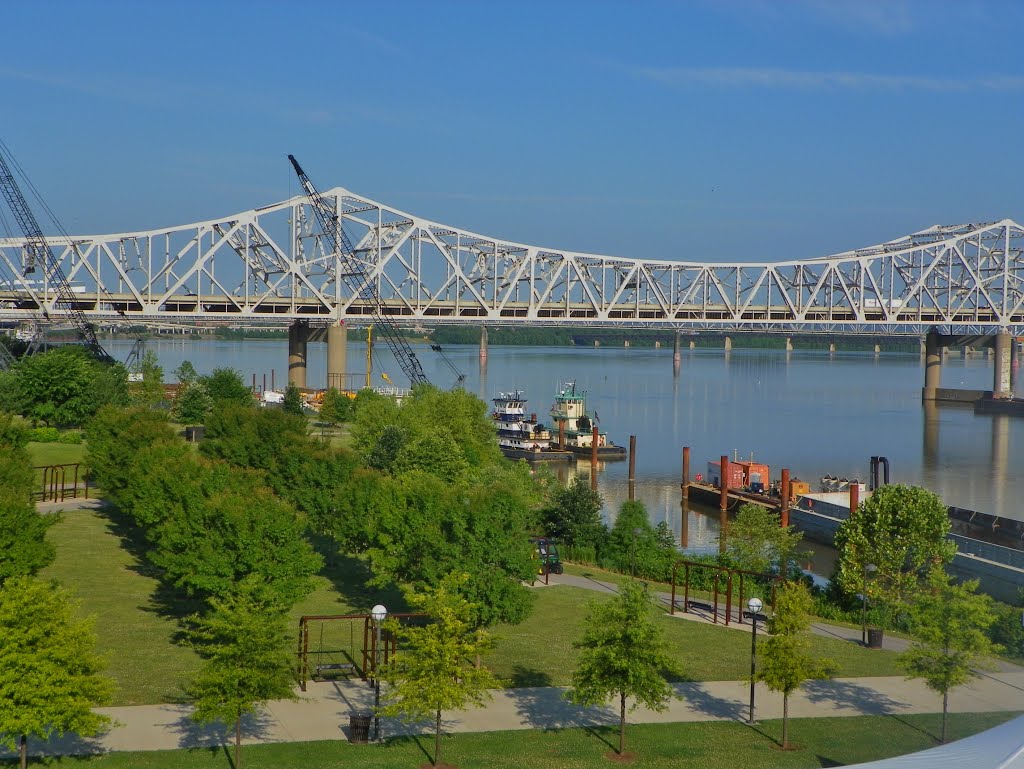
[554, 337]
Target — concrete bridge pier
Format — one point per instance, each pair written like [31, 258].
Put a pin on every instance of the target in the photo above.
[728, 343]
[831, 348]
[1002, 387]
[932, 365]
[483, 343]
[337, 348]
[298, 342]
[677, 355]
[789, 344]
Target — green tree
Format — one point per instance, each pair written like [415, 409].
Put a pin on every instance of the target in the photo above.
[292, 403]
[573, 515]
[785, 660]
[49, 670]
[64, 386]
[192, 404]
[757, 541]
[433, 672]
[230, 528]
[902, 531]
[950, 624]
[623, 652]
[23, 546]
[114, 437]
[336, 408]
[248, 660]
[149, 391]
[186, 373]
[225, 384]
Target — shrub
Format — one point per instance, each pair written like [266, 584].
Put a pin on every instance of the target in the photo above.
[73, 437]
[44, 434]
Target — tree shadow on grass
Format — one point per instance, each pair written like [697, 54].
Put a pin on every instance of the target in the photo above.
[847, 695]
[166, 600]
[916, 728]
[349, 576]
[414, 739]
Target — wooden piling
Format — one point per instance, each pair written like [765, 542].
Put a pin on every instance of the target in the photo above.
[685, 485]
[784, 505]
[632, 467]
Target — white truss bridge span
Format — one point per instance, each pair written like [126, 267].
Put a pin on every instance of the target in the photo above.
[272, 264]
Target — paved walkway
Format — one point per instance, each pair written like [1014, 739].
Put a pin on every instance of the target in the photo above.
[322, 713]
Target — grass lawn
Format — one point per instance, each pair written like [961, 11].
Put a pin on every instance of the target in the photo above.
[721, 745]
[137, 624]
[57, 454]
[539, 651]
[133, 631]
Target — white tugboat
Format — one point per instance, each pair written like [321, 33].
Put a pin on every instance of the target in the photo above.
[569, 415]
[520, 436]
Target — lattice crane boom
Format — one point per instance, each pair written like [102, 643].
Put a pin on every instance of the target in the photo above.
[38, 249]
[358, 281]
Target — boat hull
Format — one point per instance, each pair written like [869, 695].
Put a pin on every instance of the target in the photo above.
[603, 452]
[538, 456]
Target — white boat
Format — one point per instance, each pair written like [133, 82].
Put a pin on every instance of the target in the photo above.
[521, 436]
[572, 422]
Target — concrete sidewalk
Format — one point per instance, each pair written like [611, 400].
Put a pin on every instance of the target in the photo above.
[323, 711]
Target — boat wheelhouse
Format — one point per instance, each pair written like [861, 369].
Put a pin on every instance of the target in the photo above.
[521, 436]
[575, 430]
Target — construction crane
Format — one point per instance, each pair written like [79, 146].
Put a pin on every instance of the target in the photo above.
[38, 249]
[360, 283]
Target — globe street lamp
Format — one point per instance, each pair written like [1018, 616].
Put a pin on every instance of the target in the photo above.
[378, 613]
[753, 607]
[868, 568]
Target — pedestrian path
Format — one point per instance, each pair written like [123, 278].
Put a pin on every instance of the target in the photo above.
[323, 712]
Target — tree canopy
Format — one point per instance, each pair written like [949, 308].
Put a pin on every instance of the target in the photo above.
[785, 660]
[23, 546]
[49, 670]
[433, 671]
[623, 653]
[902, 531]
[572, 516]
[949, 624]
[757, 541]
[65, 386]
[248, 661]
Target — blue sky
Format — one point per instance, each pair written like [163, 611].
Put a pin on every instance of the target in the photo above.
[699, 131]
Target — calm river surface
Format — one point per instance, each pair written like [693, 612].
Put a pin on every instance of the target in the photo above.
[811, 412]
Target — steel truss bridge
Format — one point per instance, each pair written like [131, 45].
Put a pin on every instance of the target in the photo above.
[272, 265]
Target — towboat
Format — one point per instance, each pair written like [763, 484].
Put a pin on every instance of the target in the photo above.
[572, 422]
[521, 436]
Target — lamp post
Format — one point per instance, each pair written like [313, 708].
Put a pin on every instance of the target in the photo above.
[868, 567]
[378, 613]
[753, 607]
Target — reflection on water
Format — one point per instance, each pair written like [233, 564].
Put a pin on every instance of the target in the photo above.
[815, 413]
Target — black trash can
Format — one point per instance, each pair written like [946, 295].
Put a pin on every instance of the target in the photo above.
[875, 636]
[359, 727]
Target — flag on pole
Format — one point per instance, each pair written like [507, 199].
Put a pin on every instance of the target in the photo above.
[596, 417]
[385, 377]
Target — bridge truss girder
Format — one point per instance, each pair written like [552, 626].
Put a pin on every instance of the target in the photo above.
[272, 264]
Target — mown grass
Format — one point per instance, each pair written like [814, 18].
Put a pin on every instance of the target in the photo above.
[57, 454]
[819, 742]
[134, 631]
[539, 651]
[138, 621]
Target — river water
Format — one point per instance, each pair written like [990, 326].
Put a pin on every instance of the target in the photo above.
[813, 412]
